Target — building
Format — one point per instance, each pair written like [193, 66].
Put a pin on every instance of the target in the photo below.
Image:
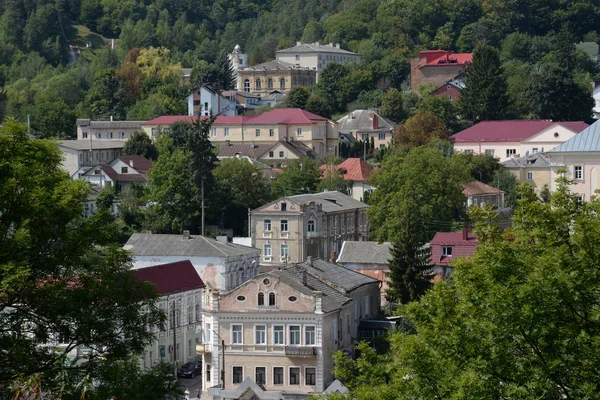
[479, 194]
[580, 156]
[319, 134]
[88, 153]
[368, 125]
[451, 90]
[263, 79]
[206, 101]
[119, 130]
[220, 264]
[356, 172]
[448, 246]
[316, 56]
[368, 258]
[181, 291]
[280, 330]
[294, 227]
[238, 59]
[278, 153]
[508, 139]
[123, 171]
[436, 67]
[535, 169]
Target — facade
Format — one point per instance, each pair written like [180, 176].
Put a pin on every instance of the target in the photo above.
[205, 101]
[292, 228]
[181, 291]
[220, 264]
[367, 124]
[278, 153]
[117, 130]
[508, 139]
[580, 156]
[479, 194]
[451, 90]
[238, 59]
[315, 56]
[123, 171]
[368, 258]
[357, 172]
[281, 329]
[436, 67]
[88, 153]
[535, 169]
[319, 134]
[276, 75]
[448, 246]
[596, 97]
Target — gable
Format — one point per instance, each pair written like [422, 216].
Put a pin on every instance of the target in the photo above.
[555, 133]
[117, 164]
[287, 153]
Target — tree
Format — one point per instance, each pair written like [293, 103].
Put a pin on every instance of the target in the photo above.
[409, 275]
[420, 129]
[297, 97]
[391, 105]
[53, 119]
[485, 96]
[331, 83]
[139, 144]
[298, 177]
[333, 179]
[219, 76]
[106, 97]
[61, 274]
[318, 106]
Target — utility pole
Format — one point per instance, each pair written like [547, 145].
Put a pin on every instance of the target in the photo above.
[174, 340]
[202, 195]
[223, 369]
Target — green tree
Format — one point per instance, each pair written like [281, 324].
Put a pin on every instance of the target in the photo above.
[420, 129]
[139, 144]
[333, 179]
[318, 106]
[106, 97]
[297, 97]
[331, 83]
[409, 275]
[392, 105]
[298, 177]
[484, 97]
[61, 274]
[53, 119]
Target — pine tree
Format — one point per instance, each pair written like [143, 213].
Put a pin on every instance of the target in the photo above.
[485, 96]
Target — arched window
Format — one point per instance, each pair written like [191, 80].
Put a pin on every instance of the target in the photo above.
[246, 85]
[257, 84]
[270, 83]
[261, 299]
[271, 299]
[282, 83]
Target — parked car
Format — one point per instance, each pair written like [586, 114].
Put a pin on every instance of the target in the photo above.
[190, 370]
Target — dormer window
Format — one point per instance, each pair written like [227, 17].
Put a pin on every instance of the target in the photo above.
[447, 251]
[283, 206]
[124, 170]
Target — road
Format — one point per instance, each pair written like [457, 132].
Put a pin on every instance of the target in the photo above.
[193, 385]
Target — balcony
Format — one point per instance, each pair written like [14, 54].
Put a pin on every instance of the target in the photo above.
[315, 235]
[300, 351]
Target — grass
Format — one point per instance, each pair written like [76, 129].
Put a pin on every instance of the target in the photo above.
[80, 35]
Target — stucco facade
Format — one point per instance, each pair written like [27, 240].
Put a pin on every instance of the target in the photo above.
[122, 130]
[280, 76]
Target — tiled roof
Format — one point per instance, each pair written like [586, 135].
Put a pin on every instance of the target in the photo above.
[171, 278]
[365, 252]
[96, 144]
[476, 188]
[460, 247]
[441, 58]
[140, 163]
[286, 116]
[587, 140]
[315, 47]
[167, 120]
[361, 121]
[511, 131]
[274, 65]
[148, 244]
[531, 161]
[356, 169]
[300, 149]
[245, 149]
[454, 239]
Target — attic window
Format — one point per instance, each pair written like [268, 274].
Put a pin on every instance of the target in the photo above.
[241, 298]
[283, 206]
[556, 134]
[334, 201]
[292, 298]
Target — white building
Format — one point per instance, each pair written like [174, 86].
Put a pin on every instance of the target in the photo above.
[206, 101]
[88, 153]
[122, 171]
[120, 130]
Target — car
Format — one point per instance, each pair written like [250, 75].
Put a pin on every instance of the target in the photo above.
[190, 370]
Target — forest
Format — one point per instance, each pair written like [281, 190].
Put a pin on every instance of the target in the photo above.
[56, 61]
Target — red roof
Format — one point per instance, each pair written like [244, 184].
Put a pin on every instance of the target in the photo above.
[283, 116]
[176, 277]
[476, 188]
[140, 163]
[460, 247]
[168, 119]
[511, 131]
[355, 169]
[454, 239]
[441, 58]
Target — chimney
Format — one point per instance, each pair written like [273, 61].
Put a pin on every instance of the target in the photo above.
[253, 144]
[111, 118]
[317, 43]
[337, 45]
[330, 44]
[131, 163]
[222, 239]
[309, 260]
[374, 121]
[332, 256]
[186, 234]
[319, 302]
[465, 233]
[298, 43]
[228, 142]
[304, 277]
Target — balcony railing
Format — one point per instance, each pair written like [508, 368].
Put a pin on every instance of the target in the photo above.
[315, 235]
[300, 351]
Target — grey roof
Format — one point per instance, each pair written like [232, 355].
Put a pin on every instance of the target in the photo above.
[110, 124]
[273, 65]
[148, 244]
[360, 121]
[336, 275]
[96, 144]
[587, 140]
[316, 48]
[365, 252]
[332, 201]
[531, 161]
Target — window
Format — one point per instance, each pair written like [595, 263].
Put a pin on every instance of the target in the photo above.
[579, 199]
[261, 375]
[468, 152]
[267, 224]
[310, 376]
[110, 135]
[367, 305]
[294, 375]
[124, 170]
[365, 136]
[348, 323]
[271, 154]
[213, 132]
[257, 84]
[309, 336]
[84, 135]
[282, 83]
[534, 150]
[530, 176]
[238, 373]
[510, 152]
[98, 135]
[206, 105]
[310, 226]
[261, 299]
[284, 251]
[447, 251]
[382, 136]
[578, 172]
[270, 83]
[271, 299]
[382, 146]
[283, 224]
[246, 85]
[277, 375]
[196, 102]
[299, 131]
[297, 57]
[278, 336]
[281, 154]
[226, 131]
[237, 334]
[208, 372]
[271, 132]
[489, 152]
[122, 134]
[294, 335]
[260, 335]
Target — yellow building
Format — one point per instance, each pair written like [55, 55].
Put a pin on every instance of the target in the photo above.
[275, 75]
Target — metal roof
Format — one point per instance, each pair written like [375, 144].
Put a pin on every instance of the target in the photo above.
[365, 252]
[360, 121]
[531, 161]
[331, 201]
[148, 244]
[96, 144]
[316, 48]
[587, 140]
[274, 65]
